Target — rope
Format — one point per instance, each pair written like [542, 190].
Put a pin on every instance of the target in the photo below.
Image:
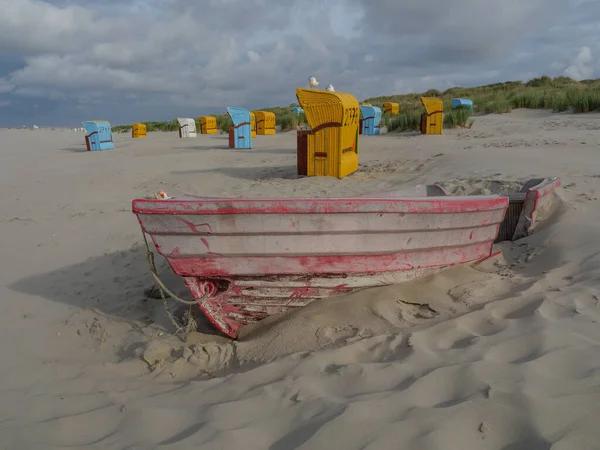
[189, 323]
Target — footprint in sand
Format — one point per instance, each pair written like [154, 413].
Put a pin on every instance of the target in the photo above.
[456, 339]
[470, 293]
[516, 308]
[210, 357]
[391, 347]
[415, 312]
[480, 323]
[445, 387]
[517, 350]
[329, 334]
[182, 360]
[444, 336]
[158, 351]
[554, 312]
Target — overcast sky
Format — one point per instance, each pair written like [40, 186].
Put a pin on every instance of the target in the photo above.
[65, 61]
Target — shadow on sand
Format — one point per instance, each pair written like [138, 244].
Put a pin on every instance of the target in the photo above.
[82, 149]
[204, 147]
[249, 173]
[115, 285]
[275, 151]
[407, 134]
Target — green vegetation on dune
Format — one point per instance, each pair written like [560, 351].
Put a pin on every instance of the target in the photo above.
[558, 94]
[173, 125]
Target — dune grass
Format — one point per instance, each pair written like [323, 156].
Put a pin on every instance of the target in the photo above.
[173, 125]
[557, 94]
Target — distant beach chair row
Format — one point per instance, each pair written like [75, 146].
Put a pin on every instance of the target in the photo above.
[246, 124]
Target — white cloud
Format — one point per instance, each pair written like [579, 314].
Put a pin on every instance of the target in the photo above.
[162, 57]
[37, 26]
[253, 56]
[581, 68]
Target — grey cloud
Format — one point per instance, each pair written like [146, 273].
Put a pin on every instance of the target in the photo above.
[5, 86]
[431, 32]
[154, 59]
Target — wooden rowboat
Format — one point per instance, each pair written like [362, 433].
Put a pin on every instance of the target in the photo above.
[246, 259]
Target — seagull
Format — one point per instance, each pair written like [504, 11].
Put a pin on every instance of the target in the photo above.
[330, 88]
[312, 82]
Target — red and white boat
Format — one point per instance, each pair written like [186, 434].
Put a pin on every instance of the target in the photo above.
[246, 259]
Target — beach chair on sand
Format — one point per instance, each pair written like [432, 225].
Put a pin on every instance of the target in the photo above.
[187, 127]
[330, 148]
[98, 135]
[138, 131]
[391, 108]
[265, 123]
[208, 125]
[253, 123]
[370, 120]
[432, 120]
[462, 103]
[240, 133]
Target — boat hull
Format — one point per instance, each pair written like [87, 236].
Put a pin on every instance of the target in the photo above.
[238, 301]
[255, 258]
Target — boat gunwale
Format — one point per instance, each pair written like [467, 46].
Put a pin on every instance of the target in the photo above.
[340, 205]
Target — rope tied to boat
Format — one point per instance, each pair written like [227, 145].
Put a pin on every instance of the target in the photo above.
[189, 323]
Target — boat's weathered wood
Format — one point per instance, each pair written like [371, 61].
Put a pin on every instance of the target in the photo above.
[258, 257]
[540, 198]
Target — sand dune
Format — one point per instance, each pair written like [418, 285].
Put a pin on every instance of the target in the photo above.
[504, 355]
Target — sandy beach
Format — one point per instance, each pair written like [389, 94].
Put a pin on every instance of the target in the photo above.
[501, 356]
